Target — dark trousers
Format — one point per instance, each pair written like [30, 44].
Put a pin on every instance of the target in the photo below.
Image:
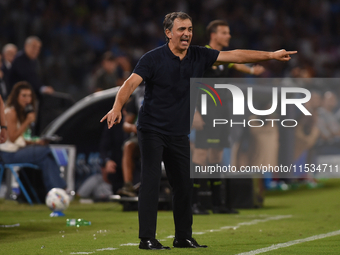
[175, 153]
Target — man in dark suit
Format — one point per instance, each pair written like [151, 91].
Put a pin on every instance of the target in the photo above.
[25, 65]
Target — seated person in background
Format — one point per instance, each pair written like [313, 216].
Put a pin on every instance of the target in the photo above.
[101, 186]
[16, 149]
[109, 75]
[131, 149]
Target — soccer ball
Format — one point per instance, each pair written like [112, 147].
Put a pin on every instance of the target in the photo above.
[57, 199]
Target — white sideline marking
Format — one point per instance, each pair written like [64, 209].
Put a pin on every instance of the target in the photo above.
[129, 244]
[214, 230]
[247, 223]
[227, 227]
[107, 249]
[82, 252]
[290, 243]
[10, 226]
[253, 222]
[91, 252]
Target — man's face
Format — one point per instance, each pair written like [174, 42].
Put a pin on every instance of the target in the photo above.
[181, 34]
[222, 36]
[9, 54]
[32, 49]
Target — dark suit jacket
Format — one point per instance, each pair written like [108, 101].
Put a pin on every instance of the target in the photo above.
[5, 71]
[25, 69]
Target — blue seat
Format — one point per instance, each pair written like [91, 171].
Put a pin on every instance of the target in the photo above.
[11, 167]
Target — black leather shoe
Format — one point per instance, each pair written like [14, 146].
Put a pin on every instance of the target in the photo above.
[199, 210]
[152, 244]
[187, 243]
[221, 209]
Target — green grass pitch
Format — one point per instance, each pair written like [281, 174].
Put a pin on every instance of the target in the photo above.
[286, 216]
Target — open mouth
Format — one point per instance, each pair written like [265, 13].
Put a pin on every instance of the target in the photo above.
[185, 42]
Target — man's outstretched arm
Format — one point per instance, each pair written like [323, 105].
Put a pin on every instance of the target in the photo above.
[114, 116]
[251, 56]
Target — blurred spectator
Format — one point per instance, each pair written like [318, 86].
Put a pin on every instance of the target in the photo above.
[109, 75]
[101, 186]
[96, 187]
[25, 65]
[111, 154]
[306, 72]
[264, 143]
[314, 102]
[3, 88]
[77, 33]
[19, 150]
[131, 149]
[327, 122]
[258, 146]
[306, 136]
[3, 122]
[8, 51]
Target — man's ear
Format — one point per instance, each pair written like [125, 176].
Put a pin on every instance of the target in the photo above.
[168, 33]
[212, 36]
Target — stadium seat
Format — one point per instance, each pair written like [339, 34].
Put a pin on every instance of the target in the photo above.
[13, 167]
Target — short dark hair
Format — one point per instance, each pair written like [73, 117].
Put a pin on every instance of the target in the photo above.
[168, 22]
[212, 26]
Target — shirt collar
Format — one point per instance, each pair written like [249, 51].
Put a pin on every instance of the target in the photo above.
[172, 55]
